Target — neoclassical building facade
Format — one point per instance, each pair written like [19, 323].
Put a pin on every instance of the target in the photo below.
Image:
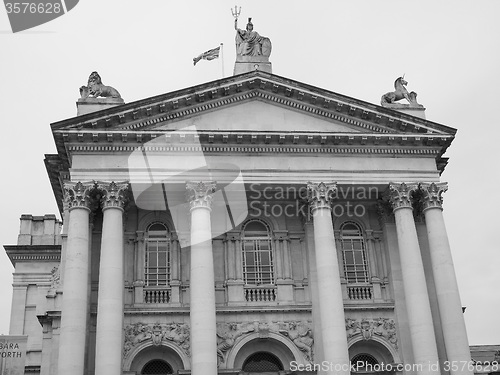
[253, 224]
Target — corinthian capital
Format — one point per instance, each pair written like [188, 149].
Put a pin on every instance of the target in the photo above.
[200, 193]
[77, 194]
[320, 195]
[113, 194]
[432, 194]
[401, 195]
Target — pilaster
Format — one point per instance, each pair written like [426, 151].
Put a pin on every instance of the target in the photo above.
[235, 284]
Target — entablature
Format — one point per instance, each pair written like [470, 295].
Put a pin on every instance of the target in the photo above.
[33, 253]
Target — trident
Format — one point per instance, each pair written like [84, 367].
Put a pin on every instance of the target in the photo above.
[236, 12]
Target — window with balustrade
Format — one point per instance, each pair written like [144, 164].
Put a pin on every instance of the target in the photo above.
[157, 256]
[355, 262]
[257, 254]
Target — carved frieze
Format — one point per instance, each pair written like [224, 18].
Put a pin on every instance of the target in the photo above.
[55, 278]
[227, 334]
[176, 333]
[368, 328]
[301, 335]
[299, 332]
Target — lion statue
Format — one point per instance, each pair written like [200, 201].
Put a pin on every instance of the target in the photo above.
[96, 88]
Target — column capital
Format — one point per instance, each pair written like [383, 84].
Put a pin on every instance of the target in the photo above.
[200, 193]
[114, 194]
[77, 194]
[320, 195]
[400, 194]
[432, 194]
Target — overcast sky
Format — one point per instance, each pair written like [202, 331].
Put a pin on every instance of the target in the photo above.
[449, 51]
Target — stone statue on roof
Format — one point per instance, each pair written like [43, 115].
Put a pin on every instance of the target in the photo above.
[389, 99]
[96, 88]
[250, 43]
[252, 49]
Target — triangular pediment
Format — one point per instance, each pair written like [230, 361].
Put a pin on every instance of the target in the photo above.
[258, 116]
[254, 101]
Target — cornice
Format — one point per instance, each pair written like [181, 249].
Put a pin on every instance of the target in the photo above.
[33, 253]
[127, 141]
[72, 148]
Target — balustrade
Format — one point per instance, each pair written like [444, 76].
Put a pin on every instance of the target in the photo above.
[360, 292]
[260, 294]
[156, 295]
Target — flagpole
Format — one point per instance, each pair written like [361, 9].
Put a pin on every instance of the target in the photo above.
[222, 57]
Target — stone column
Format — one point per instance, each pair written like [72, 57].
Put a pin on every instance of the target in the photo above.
[202, 284]
[445, 280]
[76, 281]
[109, 342]
[415, 287]
[331, 306]
[313, 287]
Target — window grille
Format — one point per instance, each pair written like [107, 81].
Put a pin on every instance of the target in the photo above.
[257, 254]
[354, 253]
[157, 367]
[262, 362]
[158, 257]
[364, 361]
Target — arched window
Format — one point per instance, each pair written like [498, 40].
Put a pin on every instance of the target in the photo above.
[158, 257]
[364, 362]
[354, 253]
[262, 362]
[157, 367]
[258, 257]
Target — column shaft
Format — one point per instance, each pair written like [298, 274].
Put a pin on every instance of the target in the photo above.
[450, 306]
[109, 330]
[110, 299]
[202, 290]
[75, 295]
[331, 306]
